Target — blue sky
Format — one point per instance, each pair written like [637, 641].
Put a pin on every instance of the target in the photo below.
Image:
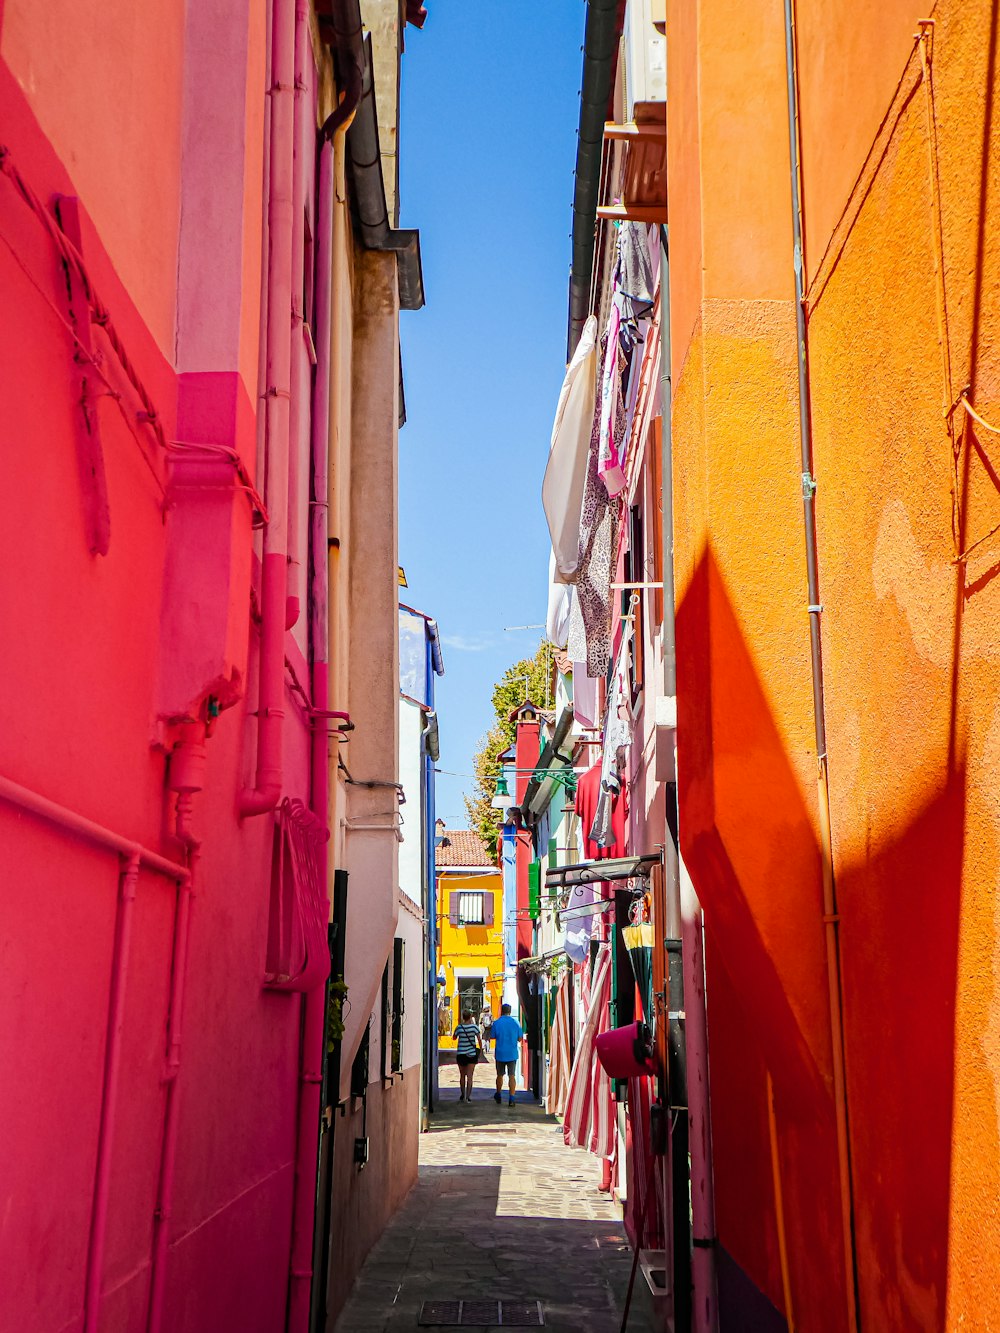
[490, 108]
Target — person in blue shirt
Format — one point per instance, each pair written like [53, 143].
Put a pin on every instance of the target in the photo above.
[506, 1035]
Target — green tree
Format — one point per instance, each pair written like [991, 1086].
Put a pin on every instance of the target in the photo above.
[530, 678]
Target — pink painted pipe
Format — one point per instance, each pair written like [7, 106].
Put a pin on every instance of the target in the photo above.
[310, 1074]
[266, 792]
[84, 828]
[171, 1119]
[109, 1095]
[186, 777]
[297, 407]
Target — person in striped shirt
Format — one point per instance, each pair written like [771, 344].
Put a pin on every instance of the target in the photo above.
[469, 1042]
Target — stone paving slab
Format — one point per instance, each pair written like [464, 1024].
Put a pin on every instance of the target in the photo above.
[502, 1210]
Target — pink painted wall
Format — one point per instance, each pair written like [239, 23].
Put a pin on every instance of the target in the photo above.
[169, 173]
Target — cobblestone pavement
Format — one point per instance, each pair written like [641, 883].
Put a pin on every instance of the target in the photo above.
[503, 1210]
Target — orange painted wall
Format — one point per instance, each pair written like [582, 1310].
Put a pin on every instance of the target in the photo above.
[93, 66]
[909, 636]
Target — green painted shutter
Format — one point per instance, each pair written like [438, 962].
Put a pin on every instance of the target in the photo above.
[535, 890]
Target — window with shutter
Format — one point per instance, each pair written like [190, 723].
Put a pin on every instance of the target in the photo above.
[487, 909]
[471, 910]
[535, 890]
[398, 1004]
[383, 1029]
[453, 902]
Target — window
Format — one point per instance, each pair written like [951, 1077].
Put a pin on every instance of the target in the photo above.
[383, 1054]
[398, 1005]
[471, 997]
[470, 909]
[535, 890]
[359, 1069]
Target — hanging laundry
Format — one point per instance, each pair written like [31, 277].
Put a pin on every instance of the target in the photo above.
[584, 694]
[635, 266]
[560, 604]
[557, 1091]
[591, 1116]
[580, 929]
[589, 639]
[566, 472]
[618, 723]
[610, 461]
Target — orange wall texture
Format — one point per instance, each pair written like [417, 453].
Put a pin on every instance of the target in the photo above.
[900, 177]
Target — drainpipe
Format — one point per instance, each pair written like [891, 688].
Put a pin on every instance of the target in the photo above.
[341, 28]
[368, 202]
[831, 918]
[266, 792]
[314, 1001]
[600, 54]
[296, 404]
[128, 881]
[171, 1118]
[688, 915]
[186, 777]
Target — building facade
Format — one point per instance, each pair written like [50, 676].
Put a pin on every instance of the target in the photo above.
[835, 585]
[795, 518]
[470, 957]
[200, 429]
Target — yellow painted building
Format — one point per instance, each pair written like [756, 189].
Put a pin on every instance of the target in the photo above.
[470, 930]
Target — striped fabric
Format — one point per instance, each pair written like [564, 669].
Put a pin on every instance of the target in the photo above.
[643, 1218]
[559, 1065]
[590, 1114]
[468, 1039]
[583, 976]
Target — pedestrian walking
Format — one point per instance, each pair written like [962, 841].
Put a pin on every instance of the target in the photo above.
[506, 1035]
[469, 1046]
[486, 1028]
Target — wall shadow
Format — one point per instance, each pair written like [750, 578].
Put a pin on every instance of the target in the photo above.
[749, 840]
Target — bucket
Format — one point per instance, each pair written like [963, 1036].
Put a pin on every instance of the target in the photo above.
[626, 1052]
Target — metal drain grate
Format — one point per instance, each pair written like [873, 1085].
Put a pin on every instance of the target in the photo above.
[479, 1314]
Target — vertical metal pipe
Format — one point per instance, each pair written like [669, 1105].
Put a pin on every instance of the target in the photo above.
[704, 1277]
[684, 918]
[302, 134]
[302, 1289]
[667, 474]
[266, 791]
[171, 1117]
[128, 881]
[779, 1209]
[831, 918]
[677, 1096]
[322, 1239]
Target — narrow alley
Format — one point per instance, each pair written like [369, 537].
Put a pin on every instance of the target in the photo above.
[502, 1211]
[500, 573]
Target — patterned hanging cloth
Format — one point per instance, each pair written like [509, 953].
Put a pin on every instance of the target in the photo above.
[590, 1109]
[559, 1065]
[589, 638]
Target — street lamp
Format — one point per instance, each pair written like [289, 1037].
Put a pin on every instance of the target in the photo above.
[502, 798]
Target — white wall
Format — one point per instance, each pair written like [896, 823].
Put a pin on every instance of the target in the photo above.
[411, 931]
[411, 855]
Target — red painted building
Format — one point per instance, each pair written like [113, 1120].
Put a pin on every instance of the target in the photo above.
[192, 319]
